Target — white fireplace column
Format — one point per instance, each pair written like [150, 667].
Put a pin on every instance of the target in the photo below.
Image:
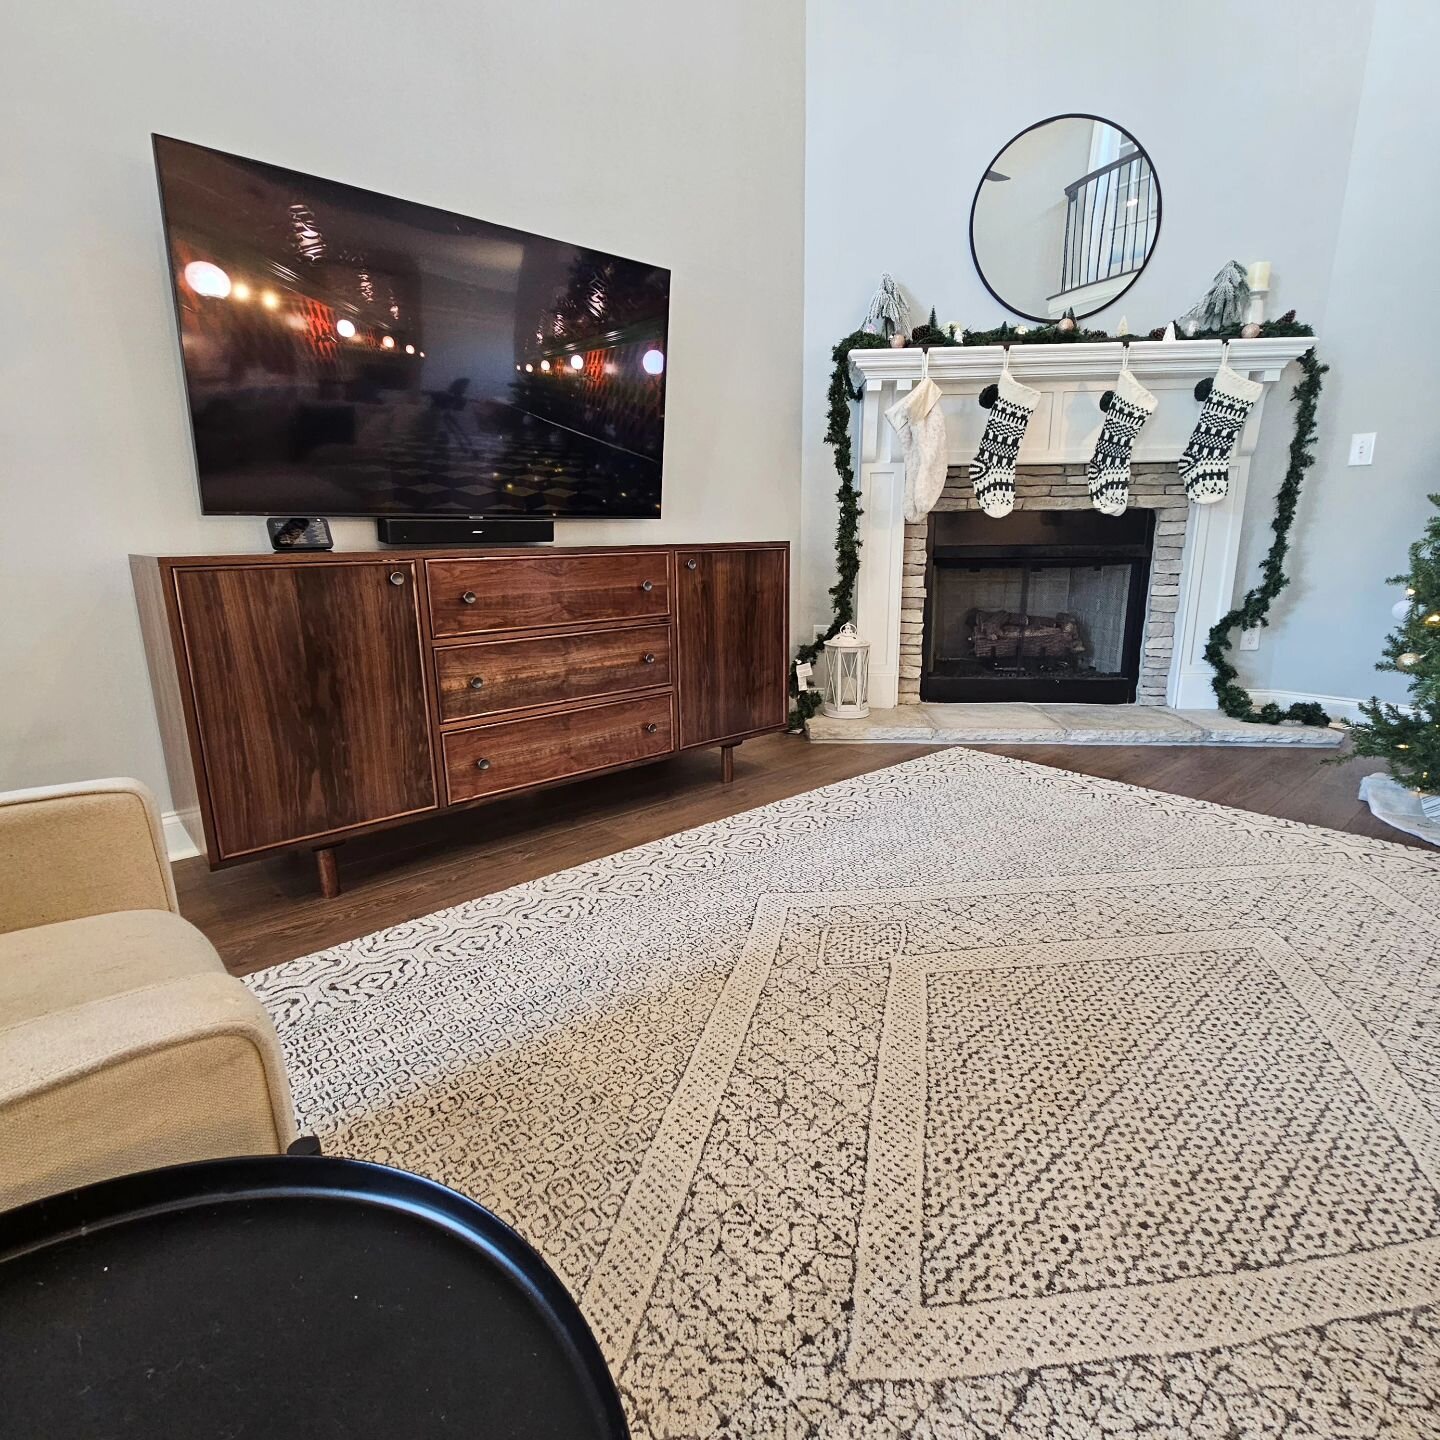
[1063, 430]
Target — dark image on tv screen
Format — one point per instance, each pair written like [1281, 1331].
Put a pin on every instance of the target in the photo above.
[347, 353]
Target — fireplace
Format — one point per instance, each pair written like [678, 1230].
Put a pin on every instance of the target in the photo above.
[1043, 605]
[1196, 548]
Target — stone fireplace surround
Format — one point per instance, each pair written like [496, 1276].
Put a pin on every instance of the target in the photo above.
[1154, 486]
[1193, 570]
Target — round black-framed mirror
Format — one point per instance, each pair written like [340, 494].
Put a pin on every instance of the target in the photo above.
[1065, 217]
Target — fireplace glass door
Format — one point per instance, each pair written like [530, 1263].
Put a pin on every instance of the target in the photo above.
[1035, 623]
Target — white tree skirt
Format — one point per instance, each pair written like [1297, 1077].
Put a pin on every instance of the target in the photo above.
[1398, 805]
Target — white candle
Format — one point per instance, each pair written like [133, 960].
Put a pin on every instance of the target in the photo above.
[1259, 276]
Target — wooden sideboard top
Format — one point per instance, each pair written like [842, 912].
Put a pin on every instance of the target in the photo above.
[461, 552]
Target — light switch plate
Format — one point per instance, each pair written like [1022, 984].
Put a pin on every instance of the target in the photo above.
[1362, 449]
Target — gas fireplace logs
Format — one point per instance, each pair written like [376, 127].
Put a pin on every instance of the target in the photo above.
[1002, 634]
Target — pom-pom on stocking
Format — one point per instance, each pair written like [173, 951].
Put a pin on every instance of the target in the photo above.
[1108, 472]
[992, 471]
[1205, 465]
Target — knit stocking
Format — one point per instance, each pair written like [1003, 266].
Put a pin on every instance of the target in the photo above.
[1205, 465]
[919, 421]
[1131, 405]
[992, 472]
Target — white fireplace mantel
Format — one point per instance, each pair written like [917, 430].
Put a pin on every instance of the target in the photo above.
[1062, 430]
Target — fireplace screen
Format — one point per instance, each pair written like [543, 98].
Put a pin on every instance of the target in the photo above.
[1027, 626]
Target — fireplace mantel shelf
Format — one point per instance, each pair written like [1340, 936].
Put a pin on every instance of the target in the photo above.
[1039, 364]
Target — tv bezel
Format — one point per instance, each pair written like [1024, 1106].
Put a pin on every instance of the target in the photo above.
[372, 514]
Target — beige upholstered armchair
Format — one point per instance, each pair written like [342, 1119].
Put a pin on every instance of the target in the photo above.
[124, 1044]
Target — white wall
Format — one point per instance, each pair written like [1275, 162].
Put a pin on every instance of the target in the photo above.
[670, 132]
[1355, 525]
[1249, 114]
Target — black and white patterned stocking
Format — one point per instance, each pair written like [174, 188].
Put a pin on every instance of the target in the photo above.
[1205, 465]
[1108, 472]
[992, 471]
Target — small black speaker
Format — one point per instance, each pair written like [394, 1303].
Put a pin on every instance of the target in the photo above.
[452, 534]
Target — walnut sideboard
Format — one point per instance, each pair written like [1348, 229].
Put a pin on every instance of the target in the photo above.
[304, 699]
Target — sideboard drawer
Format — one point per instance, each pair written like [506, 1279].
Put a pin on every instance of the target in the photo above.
[499, 675]
[514, 753]
[521, 592]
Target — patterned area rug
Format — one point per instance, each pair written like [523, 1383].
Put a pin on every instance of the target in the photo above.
[968, 1098]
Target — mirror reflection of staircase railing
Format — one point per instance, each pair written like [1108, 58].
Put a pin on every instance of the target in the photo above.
[1110, 216]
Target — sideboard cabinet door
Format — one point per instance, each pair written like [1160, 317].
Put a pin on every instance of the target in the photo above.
[732, 619]
[309, 694]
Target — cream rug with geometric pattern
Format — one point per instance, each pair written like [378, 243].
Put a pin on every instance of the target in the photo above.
[967, 1098]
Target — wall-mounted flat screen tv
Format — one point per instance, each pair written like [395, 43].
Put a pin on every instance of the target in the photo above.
[346, 353]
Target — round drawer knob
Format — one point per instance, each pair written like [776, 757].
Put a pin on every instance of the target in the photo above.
[397, 577]
[651, 728]
[647, 584]
[692, 564]
[482, 764]
[477, 682]
[648, 657]
[468, 597]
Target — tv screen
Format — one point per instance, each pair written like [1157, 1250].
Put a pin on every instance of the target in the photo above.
[347, 353]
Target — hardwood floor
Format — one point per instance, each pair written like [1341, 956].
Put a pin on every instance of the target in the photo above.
[260, 914]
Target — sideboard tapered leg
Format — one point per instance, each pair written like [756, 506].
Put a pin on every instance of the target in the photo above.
[328, 871]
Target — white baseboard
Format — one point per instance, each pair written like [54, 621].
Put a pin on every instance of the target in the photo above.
[1337, 707]
[178, 844]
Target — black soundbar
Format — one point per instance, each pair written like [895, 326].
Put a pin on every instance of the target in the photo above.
[454, 533]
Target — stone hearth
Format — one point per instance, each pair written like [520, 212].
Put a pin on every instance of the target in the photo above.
[1155, 486]
[1020, 724]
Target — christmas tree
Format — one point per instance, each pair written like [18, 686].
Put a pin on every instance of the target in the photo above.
[1409, 738]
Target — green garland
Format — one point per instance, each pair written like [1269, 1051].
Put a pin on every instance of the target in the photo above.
[847, 532]
[1234, 699]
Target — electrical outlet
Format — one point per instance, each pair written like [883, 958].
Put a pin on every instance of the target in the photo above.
[1362, 449]
[1250, 639]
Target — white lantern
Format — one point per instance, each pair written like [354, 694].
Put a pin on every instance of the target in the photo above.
[847, 675]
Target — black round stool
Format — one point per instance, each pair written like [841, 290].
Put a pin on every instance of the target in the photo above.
[288, 1296]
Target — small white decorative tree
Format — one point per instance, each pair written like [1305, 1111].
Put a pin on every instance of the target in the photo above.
[1223, 305]
[888, 313]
